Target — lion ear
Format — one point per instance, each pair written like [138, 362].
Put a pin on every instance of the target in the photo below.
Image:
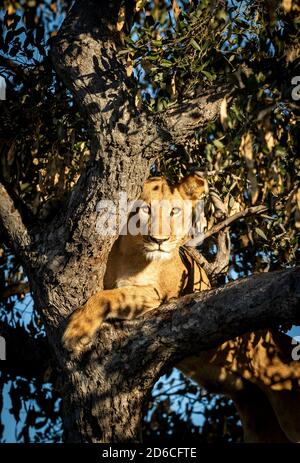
[193, 187]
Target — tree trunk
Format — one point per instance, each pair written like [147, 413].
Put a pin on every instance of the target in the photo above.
[99, 407]
[106, 390]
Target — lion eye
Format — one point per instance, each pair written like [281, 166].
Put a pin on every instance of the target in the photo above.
[146, 209]
[175, 211]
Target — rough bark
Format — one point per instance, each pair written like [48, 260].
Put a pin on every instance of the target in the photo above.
[116, 376]
[106, 390]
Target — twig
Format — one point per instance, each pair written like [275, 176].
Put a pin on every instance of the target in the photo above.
[239, 215]
[14, 289]
[220, 263]
[11, 222]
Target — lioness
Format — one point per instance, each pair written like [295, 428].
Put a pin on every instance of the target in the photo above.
[147, 269]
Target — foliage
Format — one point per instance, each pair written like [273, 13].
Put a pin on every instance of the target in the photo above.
[35, 408]
[250, 153]
[179, 410]
[44, 145]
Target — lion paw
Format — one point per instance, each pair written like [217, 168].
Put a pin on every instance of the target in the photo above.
[80, 332]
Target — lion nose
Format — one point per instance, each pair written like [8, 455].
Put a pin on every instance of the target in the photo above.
[157, 240]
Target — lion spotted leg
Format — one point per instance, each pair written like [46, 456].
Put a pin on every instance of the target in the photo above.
[125, 303]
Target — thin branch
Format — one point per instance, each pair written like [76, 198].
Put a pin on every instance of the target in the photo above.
[220, 263]
[14, 67]
[220, 207]
[15, 289]
[219, 266]
[239, 215]
[11, 222]
[199, 258]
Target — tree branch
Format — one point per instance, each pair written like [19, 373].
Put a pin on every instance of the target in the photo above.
[14, 67]
[239, 215]
[198, 322]
[183, 118]
[219, 266]
[12, 224]
[15, 289]
[220, 263]
[129, 356]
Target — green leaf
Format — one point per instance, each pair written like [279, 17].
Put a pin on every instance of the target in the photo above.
[261, 233]
[195, 44]
[123, 52]
[152, 57]
[208, 75]
[166, 63]
[218, 144]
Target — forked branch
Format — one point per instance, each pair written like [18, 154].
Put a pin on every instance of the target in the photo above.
[254, 210]
[219, 265]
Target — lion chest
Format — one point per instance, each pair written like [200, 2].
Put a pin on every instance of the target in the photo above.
[165, 277]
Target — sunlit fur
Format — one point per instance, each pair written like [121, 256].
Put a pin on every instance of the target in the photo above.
[157, 255]
[158, 189]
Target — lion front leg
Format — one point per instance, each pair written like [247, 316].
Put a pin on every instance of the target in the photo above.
[125, 303]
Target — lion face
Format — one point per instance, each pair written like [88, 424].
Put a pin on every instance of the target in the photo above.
[165, 214]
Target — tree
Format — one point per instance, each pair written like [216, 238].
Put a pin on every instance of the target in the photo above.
[212, 90]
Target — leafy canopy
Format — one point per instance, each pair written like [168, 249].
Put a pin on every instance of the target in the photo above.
[250, 153]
